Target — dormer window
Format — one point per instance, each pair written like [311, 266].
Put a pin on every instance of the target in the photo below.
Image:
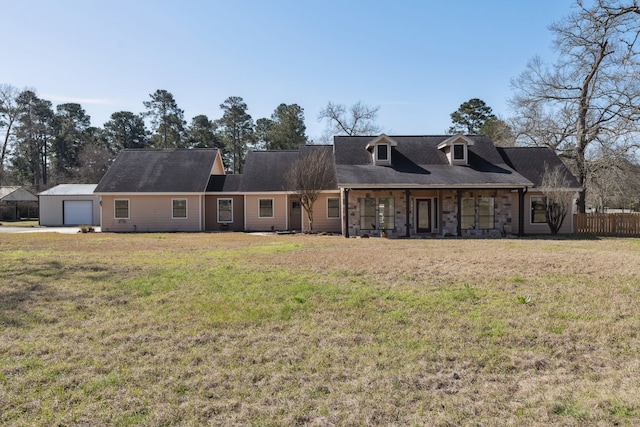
[456, 149]
[458, 152]
[382, 152]
[380, 149]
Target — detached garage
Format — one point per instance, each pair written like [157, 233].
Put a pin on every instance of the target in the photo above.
[69, 204]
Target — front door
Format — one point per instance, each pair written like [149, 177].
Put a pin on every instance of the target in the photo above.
[423, 215]
[295, 215]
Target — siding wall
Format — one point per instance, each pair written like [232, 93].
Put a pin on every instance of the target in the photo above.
[52, 209]
[280, 213]
[536, 228]
[211, 209]
[152, 213]
[321, 223]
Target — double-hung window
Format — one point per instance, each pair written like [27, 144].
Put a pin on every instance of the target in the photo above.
[265, 207]
[121, 209]
[225, 210]
[538, 210]
[179, 208]
[333, 207]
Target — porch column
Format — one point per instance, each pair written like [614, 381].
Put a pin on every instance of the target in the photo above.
[407, 193]
[459, 214]
[520, 212]
[345, 213]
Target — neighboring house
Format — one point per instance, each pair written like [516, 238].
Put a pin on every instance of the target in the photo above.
[404, 185]
[439, 185]
[157, 190]
[13, 199]
[69, 204]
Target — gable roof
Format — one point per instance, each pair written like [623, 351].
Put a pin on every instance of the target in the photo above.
[16, 194]
[159, 171]
[530, 162]
[417, 161]
[265, 171]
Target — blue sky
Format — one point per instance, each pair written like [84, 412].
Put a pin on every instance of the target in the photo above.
[416, 60]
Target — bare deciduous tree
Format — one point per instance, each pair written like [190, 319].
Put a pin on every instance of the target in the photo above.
[614, 182]
[359, 119]
[559, 197]
[590, 95]
[312, 173]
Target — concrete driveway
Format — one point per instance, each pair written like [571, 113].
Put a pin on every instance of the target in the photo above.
[65, 230]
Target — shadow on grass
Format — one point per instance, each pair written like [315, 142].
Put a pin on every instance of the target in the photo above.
[29, 289]
[560, 237]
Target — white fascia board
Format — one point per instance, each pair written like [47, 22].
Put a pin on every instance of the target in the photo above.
[434, 186]
[132, 194]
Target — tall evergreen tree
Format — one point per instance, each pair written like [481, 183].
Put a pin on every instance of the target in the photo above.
[9, 113]
[237, 130]
[285, 130]
[33, 133]
[202, 133]
[70, 126]
[167, 120]
[470, 117]
[125, 130]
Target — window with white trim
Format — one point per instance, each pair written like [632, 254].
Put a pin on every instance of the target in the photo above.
[121, 209]
[265, 207]
[458, 152]
[382, 152]
[333, 207]
[538, 210]
[178, 208]
[225, 210]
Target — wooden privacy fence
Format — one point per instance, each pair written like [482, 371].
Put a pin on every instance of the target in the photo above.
[607, 224]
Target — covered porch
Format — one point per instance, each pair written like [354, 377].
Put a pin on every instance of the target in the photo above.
[432, 212]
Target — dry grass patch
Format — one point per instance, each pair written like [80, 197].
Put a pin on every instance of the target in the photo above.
[232, 329]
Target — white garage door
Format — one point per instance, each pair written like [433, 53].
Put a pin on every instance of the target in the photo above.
[77, 212]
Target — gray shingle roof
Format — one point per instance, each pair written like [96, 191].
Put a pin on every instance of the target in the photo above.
[266, 170]
[159, 171]
[16, 194]
[224, 183]
[530, 162]
[416, 161]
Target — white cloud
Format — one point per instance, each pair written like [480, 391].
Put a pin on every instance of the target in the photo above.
[71, 99]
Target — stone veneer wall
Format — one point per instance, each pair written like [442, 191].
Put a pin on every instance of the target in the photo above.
[400, 208]
[503, 212]
[447, 205]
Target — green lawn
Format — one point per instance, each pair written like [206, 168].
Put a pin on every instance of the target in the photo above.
[233, 329]
[21, 223]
